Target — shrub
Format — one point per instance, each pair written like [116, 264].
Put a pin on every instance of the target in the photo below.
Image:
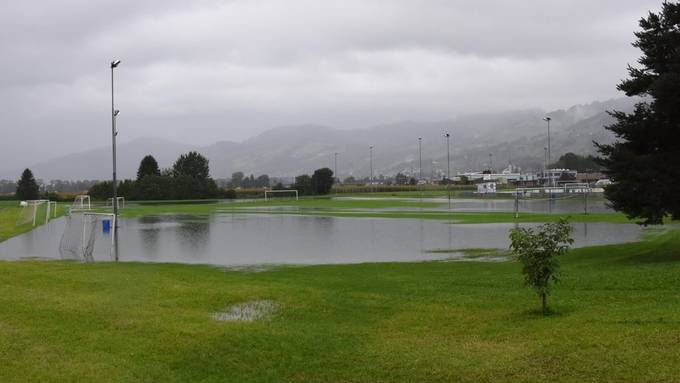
[538, 250]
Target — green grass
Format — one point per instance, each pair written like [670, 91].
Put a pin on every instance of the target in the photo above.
[9, 215]
[616, 319]
[454, 217]
[374, 208]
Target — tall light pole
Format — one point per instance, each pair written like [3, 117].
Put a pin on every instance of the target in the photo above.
[420, 158]
[335, 165]
[545, 161]
[114, 114]
[547, 119]
[448, 168]
[370, 148]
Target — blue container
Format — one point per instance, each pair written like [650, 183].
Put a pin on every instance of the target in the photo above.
[106, 225]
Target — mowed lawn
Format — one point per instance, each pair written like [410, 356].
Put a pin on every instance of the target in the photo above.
[617, 319]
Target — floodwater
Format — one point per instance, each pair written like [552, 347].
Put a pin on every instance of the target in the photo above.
[233, 240]
[574, 203]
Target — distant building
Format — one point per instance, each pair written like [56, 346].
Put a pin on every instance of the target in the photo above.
[556, 177]
[590, 177]
[486, 187]
[509, 174]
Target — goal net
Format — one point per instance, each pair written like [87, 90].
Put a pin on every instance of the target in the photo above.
[270, 194]
[88, 236]
[35, 212]
[121, 202]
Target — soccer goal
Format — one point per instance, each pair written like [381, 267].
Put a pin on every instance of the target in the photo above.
[121, 202]
[269, 194]
[82, 202]
[88, 236]
[33, 211]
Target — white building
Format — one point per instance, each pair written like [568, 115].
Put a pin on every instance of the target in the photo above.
[486, 187]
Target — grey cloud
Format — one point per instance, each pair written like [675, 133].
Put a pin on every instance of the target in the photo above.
[203, 71]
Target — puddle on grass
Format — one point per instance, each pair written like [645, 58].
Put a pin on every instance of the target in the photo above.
[475, 255]
[232, 240]
[483, 258]
[247, 312]
[248, 268]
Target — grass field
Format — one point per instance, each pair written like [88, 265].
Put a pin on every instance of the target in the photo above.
[375, 208]
[9, 214]
[616, 319]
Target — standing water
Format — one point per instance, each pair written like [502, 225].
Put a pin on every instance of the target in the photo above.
[229, 240]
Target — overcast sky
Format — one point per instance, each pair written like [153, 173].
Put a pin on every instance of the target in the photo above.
[202, 71]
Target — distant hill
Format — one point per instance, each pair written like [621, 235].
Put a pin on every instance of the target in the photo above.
[516, 137]
[96, 163]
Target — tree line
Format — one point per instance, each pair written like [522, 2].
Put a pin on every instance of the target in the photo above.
[188, 178]
[240, 180]
[576, 162]
[53, 186]
[319, 183]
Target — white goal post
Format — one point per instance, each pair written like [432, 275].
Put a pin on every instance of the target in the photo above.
[83, 231]
[29, 211]
[267, 198]
[121, 202]
[82, 202]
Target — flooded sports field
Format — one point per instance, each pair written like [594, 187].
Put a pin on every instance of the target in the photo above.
[576, 203]
[257, 239]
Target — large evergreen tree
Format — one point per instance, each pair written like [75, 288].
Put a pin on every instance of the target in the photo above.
[643, 163]
[303, 184]
[192, 164]
[27, 187]
[148, 167]
[322, 180]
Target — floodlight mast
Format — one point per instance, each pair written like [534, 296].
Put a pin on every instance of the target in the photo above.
[448, 168]
[420, 158]
[114, 133]
[547, 119]
[370, 148]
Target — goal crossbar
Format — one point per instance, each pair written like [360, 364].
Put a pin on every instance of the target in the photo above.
[266, 198]
[81, 201]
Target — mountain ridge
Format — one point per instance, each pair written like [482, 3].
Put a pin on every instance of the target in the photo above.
[516, 137]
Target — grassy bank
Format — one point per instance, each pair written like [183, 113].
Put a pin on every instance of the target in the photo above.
[617, 315]
[9, 215]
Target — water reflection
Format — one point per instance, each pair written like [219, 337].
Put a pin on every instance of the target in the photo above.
[232, 239]
[150, 232]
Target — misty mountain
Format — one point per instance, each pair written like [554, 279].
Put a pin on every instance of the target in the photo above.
[516, 137]
[96, 163]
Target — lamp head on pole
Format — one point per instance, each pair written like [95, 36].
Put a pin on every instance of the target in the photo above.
[116, 112]
[547, 119]
[114, 63]
[447, 135]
